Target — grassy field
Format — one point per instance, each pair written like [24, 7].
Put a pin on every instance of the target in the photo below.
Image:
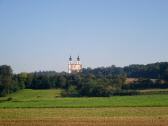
[29, 94]
[50, 99]
[47, 108]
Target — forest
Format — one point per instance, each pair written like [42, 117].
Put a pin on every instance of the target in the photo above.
[98, 82]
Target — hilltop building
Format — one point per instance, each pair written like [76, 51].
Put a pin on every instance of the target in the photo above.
[74, 67]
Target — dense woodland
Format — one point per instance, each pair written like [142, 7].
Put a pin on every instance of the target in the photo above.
[103, 81]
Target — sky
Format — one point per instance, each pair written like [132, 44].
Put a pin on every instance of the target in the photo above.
[40, 35]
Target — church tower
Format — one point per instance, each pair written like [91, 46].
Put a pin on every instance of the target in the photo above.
[74, 67]
[69, 64]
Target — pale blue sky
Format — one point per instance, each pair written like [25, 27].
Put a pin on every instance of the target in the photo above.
[41, 34]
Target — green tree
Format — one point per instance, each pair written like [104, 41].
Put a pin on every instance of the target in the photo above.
[72, 91]
[5, 79]
[62, 82]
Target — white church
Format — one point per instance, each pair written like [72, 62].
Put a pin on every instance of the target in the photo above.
[74, 67]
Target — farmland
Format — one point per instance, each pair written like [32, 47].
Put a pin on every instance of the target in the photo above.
[120, 116]
[47, 107]
[47, 113]
[51, 99]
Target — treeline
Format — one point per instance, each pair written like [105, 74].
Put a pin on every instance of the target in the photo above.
[145, 83]
[154, 70]
[74, 84]
[78, 84]
[103, 81]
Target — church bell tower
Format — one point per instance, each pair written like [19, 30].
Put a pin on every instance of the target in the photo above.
[69, 64]
[74, 67]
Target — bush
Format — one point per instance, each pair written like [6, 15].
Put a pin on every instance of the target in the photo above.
[9, 99]
[71, 91]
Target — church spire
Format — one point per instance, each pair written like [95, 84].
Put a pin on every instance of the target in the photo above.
[70, 58]
[78, 60]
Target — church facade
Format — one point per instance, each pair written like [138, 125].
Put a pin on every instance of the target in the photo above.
[74, 67]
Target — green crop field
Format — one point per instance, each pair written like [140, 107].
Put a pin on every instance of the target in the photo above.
[47, 107]
[51, 99]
